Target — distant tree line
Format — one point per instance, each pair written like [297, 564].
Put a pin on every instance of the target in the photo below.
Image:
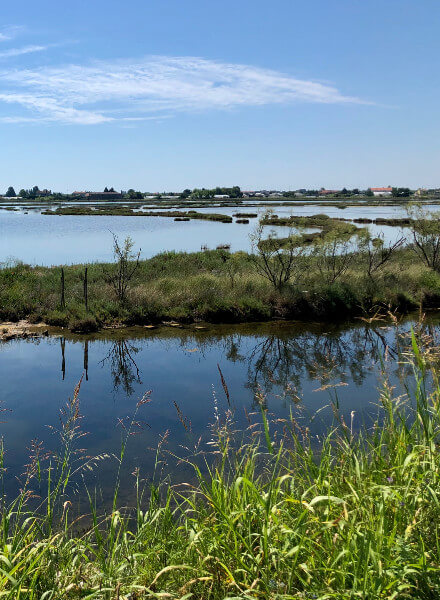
[398, 192]
[203, 193]
[133, 195]
[34, 192]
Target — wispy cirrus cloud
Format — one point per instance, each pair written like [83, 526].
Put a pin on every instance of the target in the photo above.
[11, 52]
[113, 90]
[9, 32]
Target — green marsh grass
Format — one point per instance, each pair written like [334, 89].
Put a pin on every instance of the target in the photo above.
[214, 286]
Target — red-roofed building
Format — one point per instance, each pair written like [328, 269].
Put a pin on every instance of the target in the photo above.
[323, 192]
[383, 191]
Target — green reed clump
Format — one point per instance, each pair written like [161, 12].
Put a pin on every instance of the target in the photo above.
[273, 514]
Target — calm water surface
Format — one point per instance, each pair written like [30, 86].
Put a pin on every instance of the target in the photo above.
[39, 239]
[298, 368]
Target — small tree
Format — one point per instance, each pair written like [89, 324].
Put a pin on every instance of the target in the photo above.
[10, 193]
[425, 233]
[377, 254]
[333, 256]
[127, 263]
[276, 260]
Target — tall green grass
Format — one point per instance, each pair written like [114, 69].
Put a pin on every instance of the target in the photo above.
[274, 513]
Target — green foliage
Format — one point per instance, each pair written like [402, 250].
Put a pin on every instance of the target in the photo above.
[218, 286]
[124, 211]
[34, 193]
[84, 325]
[425, 229]
[232, 192]
[10, 192]
[133, 195]
[401, 192]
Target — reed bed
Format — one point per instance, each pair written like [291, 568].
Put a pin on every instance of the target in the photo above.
[274, 512]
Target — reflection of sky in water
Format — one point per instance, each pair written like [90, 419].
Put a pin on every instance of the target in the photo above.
[40, 239]
[181, 367]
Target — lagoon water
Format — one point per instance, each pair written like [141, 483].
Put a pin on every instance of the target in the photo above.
[306, 370]
[52, 240]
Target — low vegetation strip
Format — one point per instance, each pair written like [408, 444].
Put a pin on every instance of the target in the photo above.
[278, 514]
[125, 211]
[218, 286]
[326, 222]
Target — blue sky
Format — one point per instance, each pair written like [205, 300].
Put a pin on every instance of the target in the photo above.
[166, 94]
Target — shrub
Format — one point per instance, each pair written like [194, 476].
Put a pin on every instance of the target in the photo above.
[57, 318]
[85, 325]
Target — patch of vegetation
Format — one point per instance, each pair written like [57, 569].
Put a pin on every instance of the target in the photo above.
[216, 286]
[244, 215]
[126, 211]
[330, 227]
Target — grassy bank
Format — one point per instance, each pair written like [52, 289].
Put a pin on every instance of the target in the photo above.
[351, 514]
[217, 286]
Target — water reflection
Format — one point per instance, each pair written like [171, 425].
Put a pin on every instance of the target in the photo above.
[123, 368]
[295, 368]
[284, 359]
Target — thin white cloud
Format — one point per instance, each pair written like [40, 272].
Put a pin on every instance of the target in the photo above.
[20, 51]
[109, 91]
[10, 32]
[51, 110]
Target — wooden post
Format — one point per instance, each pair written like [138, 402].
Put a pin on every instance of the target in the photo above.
[86, 290]
[63, 300]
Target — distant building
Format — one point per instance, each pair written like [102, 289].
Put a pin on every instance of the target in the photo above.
[327, 192]
[221, 196]
[421, 192]
[383, 191]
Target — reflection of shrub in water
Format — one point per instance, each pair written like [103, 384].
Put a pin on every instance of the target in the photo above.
[285, 361]
[123, 367]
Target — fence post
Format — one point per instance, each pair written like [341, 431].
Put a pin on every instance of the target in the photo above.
[63, 300]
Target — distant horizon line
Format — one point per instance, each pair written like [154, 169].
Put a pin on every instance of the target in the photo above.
[244, 191]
